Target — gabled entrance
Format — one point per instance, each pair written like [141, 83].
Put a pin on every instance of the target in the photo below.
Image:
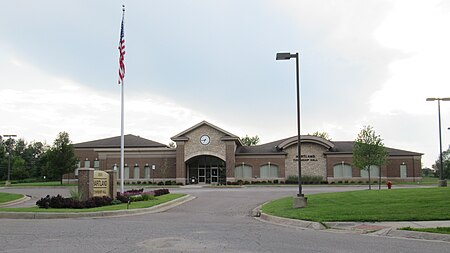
[206, 169]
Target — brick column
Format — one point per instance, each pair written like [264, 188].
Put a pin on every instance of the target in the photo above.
[86, 183]
[180, 165]
[230, 158]
[112, 183]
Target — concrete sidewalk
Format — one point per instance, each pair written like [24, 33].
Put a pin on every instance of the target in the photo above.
[388, 229]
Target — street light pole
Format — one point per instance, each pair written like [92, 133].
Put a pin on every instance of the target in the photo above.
[442, 180]
[9, 136]
[299, 201]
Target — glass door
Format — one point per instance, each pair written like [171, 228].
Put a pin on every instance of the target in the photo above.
[201, 175]
[214, 175]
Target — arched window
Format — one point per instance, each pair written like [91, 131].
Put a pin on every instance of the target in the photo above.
[403, 171]
[147, 171]
[374, 172]
[137, 172]
[126, 172]
[243, 171]
[268, 171]
[342, 171]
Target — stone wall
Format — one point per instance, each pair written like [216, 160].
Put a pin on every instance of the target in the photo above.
[315, 165]
[216, 147]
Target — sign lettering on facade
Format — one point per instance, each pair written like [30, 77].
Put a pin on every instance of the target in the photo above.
[101, 183]
[307, 158]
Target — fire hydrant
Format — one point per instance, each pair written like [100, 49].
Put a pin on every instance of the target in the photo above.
[389, 184]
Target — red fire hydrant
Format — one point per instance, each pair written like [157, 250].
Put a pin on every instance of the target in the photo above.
[389, 184]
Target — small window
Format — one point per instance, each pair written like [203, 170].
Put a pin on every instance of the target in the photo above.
[96, 164]
[87, 164]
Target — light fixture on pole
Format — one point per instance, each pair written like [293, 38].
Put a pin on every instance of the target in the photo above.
[299, 201]
[442, 180]
[10, 142]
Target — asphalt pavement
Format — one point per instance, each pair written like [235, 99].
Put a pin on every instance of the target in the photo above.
[216, 220]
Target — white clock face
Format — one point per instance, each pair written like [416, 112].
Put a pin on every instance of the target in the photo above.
[204, 139]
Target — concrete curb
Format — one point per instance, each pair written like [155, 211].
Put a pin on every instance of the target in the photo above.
[256, 212]
[15, 202]
[292, 222]
[392, 232]
[44, 215]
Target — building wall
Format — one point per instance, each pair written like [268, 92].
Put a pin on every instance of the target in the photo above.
[390, 171]
[193, 147]
[256, 161]
[313, 160]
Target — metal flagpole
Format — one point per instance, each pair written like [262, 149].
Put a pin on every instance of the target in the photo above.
[122, 77]
[122, 141]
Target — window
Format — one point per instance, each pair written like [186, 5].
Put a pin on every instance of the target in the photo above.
[87, 163]
[126, 172]
[96, 164]
[342, 171]
[374, 172]
[243, 171]
[403, 171]
[268, 171]
[137, 171]
[147, 171]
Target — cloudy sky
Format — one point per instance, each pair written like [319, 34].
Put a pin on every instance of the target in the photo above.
[362, 63]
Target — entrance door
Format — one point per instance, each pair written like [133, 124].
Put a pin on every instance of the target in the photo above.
[206, 169]
[214, 175]
[201, 175]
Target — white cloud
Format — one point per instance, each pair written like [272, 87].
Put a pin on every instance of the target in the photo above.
[419, 30]
[36, 106]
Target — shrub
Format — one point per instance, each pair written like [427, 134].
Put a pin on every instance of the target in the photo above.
[160, 183]
[168, 183]
[146, 197]
[240, 182]
[246, 182]
[60, 202]
[339, 182]
[160, 192]
[275, 181]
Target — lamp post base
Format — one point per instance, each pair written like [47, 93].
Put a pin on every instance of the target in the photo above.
[300, 202]
[442, 183]
[7, 183]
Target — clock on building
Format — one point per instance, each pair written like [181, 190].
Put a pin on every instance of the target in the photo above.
[204, 140]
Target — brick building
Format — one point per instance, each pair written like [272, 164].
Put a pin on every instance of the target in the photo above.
[207, 154]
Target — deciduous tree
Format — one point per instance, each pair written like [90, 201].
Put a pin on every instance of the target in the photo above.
[250, 140]
[61, 157]
[369, 150]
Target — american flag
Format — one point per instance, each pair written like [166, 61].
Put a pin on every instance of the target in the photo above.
[122, 53]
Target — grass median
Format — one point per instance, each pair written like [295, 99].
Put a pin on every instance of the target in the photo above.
[7, 197]
[134, 205]
[375, 205]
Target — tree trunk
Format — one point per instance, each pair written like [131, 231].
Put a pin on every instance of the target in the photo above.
[370, 186]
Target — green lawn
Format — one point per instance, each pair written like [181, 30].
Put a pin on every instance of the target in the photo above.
[134, 205]
[438, 230]
[385, 205]
[48, 183]
[6, 197]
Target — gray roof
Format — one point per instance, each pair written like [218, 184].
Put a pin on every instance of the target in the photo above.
[346, 147]
[268, 148]
[341, 147]
[131, 141]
